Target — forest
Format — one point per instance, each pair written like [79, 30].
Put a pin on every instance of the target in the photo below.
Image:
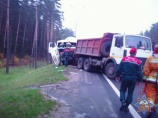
[26, 27]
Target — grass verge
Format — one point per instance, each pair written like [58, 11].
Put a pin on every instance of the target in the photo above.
[18, 99]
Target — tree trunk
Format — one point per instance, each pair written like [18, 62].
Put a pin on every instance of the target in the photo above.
[4, 43]
[23, 40]
[32, 54]
[41, 45]
[51, 29]
[1, 17]
[34, 51]
[8, 46]
[17, 35]
[47, 40]
[36, 36]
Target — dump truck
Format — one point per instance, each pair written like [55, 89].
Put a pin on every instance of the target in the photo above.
[107, 52]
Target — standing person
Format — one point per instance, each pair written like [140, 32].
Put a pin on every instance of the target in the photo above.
[61, 58]
[150, 72]
[129, 72]
[67, 54]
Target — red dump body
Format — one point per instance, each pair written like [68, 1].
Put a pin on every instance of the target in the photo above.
[91, 46]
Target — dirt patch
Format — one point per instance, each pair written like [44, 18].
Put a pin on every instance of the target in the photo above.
[62, 109]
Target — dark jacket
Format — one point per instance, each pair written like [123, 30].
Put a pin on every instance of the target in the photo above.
[130, 66]
[67, 52]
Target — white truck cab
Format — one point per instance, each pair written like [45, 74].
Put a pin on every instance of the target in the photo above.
[54, 48]
[121, 45]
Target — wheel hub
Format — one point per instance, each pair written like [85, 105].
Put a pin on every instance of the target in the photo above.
[111, 70]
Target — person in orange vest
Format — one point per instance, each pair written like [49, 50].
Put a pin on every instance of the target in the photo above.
[150, 72]
[129, 72]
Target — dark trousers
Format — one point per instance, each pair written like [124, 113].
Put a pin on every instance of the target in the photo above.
[66, 60]
[67, 56]
[128, 84]
[60, 59]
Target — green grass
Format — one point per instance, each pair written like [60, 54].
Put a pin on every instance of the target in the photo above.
[18, 99]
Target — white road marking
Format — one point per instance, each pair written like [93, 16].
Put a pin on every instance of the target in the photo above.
[131, 109]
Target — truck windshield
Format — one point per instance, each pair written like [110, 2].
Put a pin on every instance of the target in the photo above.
[63, 45]
[137, 42]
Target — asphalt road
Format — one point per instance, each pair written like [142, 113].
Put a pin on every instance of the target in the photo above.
[90, 95]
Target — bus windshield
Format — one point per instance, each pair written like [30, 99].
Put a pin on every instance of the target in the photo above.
[137, 42]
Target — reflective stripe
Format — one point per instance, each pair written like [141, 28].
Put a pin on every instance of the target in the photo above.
[154, 60]
[144, 77]
[150, 79]
[152, 102]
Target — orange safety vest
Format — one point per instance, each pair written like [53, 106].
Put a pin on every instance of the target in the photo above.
[150, 69]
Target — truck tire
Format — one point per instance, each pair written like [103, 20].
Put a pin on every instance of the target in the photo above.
[110, 70]
[87, 66]
[105, 48]
[80, 63]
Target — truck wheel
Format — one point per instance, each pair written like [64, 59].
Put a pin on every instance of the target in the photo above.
[110, 70]
[87, 66]
[105, 48]
[80, 63]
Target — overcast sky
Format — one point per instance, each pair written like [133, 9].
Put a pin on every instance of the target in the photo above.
[91, 18]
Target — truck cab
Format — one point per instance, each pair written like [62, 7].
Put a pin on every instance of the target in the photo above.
[55, 48]
[120, 47]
